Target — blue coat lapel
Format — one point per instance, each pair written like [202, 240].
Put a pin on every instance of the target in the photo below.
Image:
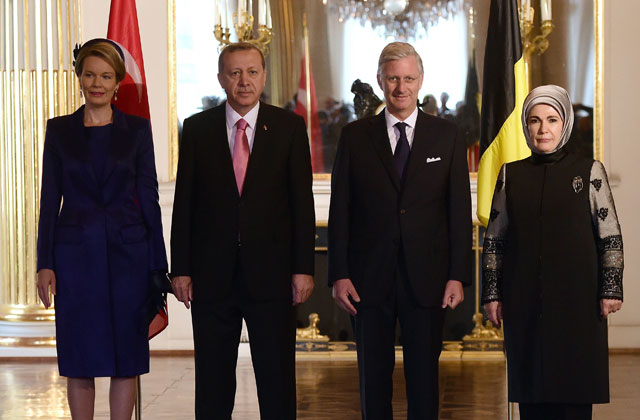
[119, 144]
[78, 145]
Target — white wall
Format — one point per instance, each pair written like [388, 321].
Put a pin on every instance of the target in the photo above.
[622, 154]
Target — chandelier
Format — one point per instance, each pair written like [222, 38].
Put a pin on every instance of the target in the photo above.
[242, 19]
[399, 19]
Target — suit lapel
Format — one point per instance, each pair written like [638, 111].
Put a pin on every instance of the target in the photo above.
[423, 142]
[383, 147]
[259, 151]
[217, 146]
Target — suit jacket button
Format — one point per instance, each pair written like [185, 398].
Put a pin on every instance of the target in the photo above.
[402, 211]
[239, 244]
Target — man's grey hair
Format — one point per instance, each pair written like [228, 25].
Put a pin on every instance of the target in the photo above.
[238, 46]
[396, 51]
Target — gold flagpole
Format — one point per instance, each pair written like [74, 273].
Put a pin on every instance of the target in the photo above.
[138, 408]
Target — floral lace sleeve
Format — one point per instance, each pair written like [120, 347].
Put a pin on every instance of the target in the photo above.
[494, 242]
[608, 234]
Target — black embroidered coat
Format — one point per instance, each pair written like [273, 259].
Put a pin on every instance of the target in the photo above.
[552, 250]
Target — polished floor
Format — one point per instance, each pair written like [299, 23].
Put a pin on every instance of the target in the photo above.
[327, 389]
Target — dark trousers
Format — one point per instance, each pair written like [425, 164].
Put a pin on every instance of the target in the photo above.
[552, 411]
[216, 334]
[374, 329]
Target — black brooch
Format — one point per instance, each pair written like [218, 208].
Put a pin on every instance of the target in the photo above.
[597, 184]
[603, 213]
[577, 184]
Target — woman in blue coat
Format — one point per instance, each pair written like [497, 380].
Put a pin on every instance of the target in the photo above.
[99, 249]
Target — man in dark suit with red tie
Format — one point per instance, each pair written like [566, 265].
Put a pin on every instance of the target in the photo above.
[242, 237]
[399, 236]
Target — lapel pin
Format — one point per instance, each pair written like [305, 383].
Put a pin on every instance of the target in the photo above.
[577, 184]
[264, 127]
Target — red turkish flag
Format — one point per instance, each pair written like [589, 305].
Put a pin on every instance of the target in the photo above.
[123, 29]
[132, 94]
[317, 157]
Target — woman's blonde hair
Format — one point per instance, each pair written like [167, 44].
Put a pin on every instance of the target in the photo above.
[105, 50]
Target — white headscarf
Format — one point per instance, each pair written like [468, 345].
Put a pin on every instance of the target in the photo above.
[556, 97]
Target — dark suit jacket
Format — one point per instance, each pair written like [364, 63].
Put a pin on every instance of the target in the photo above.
[273, 222]
[372, 218]
[102, 243]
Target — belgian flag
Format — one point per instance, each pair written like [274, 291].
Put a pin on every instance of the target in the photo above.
[504, 89]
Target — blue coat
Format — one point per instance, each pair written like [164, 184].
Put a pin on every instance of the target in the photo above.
[102, 243]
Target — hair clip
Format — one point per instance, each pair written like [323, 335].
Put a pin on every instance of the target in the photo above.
[76, 51]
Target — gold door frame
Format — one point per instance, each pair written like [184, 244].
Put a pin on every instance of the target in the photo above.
[598, 117]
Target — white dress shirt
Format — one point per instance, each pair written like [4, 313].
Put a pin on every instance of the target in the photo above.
[232, 118]
[394, 132]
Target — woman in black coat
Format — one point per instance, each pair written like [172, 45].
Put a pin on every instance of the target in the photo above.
[552, 267]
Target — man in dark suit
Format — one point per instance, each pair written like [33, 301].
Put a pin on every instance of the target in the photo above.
[242, 237]
[399, 236]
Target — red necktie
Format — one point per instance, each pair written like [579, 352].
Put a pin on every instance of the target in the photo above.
[240, 153]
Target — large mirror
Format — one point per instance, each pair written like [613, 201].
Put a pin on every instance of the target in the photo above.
[344, 46]
[345, 39]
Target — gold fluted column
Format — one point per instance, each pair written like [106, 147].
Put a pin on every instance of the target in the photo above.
[36, 82]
